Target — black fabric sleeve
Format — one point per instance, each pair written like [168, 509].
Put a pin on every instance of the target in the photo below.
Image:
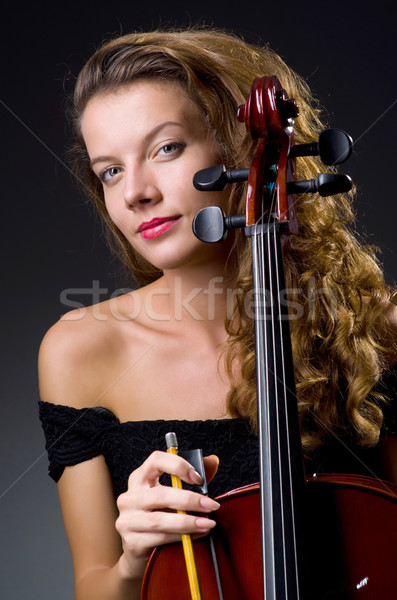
[72, 435]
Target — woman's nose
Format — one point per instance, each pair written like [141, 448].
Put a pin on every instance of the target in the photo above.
[140, 188]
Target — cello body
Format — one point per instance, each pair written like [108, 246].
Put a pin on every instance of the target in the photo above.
[350, 540]
[293, 536]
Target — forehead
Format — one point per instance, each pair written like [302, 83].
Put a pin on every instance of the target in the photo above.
[145, 102]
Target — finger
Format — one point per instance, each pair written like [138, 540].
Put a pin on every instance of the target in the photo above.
[164, 522]
[162, 462]
[168, 497]
[165, 497]
[142, 544]
[211, 464]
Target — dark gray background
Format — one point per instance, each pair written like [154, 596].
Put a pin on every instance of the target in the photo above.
[50, 241]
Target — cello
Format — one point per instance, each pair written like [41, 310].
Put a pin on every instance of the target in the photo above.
[291, 536]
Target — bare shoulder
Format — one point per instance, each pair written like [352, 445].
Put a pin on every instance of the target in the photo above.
[65, 351]
[79, 351]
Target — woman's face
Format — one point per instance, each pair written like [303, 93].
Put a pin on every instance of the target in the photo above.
[145, 143]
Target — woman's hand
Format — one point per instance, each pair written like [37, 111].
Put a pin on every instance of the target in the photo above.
[148, 516]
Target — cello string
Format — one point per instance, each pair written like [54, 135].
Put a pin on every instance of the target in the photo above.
[277, 375]
[285, 477]
[278, 370]
[260, 391]
[268, 338]
[263, 426]
[216, 567]
[270, 324]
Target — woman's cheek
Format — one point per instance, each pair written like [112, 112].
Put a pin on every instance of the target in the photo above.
[113, 214]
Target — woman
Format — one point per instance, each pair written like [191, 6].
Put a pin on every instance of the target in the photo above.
[149, 111]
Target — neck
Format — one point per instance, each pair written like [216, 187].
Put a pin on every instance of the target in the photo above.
[196, 296]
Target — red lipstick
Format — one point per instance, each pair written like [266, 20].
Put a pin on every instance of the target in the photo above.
[156, 227]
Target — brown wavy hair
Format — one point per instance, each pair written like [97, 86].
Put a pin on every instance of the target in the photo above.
[334, 279]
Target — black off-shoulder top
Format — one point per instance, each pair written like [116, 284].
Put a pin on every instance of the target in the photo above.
[75, 435]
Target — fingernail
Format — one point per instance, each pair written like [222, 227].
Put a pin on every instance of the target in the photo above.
[209, 504]
[195, 477]
[204, 524]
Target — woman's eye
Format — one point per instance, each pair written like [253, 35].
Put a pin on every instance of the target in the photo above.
[171, 148]
[108, 174]
[168, 149]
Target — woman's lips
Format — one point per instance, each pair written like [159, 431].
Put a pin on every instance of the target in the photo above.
[156, 227]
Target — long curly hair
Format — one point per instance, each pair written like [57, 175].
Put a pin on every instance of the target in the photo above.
[334, 279]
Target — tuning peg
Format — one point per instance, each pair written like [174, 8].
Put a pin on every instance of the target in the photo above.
[215, 179]
[325, 184]
[211, 224]
[334, 147]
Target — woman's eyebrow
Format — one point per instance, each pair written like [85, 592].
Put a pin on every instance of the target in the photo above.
[146, 139]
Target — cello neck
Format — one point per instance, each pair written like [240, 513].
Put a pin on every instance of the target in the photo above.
[269, 117]
[280, 454]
